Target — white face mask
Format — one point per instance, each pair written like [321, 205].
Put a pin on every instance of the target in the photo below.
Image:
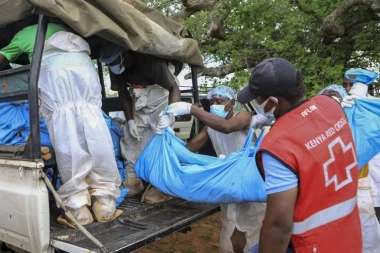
[262, 106]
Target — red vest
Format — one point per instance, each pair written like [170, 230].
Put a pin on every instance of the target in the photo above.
[314, 141]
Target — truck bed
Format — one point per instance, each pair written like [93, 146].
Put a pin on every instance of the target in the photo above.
[139, 225]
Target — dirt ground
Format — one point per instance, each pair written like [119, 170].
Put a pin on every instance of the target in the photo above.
[203, 238]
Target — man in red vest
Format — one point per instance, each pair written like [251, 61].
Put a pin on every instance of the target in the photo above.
[309, 163]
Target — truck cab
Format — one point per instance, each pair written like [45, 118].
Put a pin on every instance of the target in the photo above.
[28, 213]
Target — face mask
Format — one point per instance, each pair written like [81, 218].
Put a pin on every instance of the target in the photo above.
[218, 110]
[269, 114]
[117, 69]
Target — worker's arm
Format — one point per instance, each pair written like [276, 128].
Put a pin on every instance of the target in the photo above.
[277, 228]
[239, 122]
[174, 94]
[281, 185]
[198, 141]
[3, 62]
[126, 103]
[13, 49]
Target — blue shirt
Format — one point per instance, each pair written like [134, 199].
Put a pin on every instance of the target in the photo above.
[278, 177]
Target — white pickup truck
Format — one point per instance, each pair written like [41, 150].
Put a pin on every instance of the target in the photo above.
[27, 218]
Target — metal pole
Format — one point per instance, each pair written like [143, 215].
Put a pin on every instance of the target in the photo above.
[35, 144]
[194, 79]
[101, 77]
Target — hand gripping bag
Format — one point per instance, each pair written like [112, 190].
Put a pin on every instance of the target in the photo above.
[168, 165]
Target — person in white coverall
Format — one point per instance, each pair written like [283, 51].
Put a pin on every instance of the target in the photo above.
[71, 105]
[356, 83]
[241, 222]
[154, 85]
[366, 189]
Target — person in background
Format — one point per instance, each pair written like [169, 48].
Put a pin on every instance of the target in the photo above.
[241, 222]
[71, 106]
[311, 183]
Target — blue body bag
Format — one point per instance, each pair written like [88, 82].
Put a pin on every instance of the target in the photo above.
[364, 120]
[168, 165]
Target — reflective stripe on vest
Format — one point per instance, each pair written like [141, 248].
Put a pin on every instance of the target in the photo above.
[325, 216]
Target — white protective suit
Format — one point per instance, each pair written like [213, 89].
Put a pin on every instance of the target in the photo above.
[246, 217]
[149, 102]
[374, 173]
[71, 106]
[367, 191]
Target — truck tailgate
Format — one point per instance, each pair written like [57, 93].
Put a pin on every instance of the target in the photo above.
[139, 225]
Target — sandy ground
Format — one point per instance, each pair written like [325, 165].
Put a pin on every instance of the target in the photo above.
[203, 238]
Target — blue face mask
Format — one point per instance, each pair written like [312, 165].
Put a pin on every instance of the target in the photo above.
[117, 69]
[218, 110]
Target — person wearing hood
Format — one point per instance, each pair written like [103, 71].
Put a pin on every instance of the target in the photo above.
[241, 222]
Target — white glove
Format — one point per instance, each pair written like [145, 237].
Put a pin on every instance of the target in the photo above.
[359, 89]
[259, 120]
[133, 130]
[348, 101]
[222, 156]
[179, 108]
[165, 122]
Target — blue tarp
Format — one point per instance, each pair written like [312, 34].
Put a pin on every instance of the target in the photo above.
[116, 134]
[172, 168]
[14, 125]
[364, 119]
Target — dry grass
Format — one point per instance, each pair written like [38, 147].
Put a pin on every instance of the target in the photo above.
[203, 238]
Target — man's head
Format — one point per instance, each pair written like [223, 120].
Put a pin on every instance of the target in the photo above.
[222, 100]
[362, 76]
[275, 77]
[347, 83]
[334, 90]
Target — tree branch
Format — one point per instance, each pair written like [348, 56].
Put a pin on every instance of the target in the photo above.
[330, 25]
[192, 8]
[185, 3]
[215, 31]
[307, 11]
[225, 69]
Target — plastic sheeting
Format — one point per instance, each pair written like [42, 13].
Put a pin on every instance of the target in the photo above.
[173, 169]
[363, 118]
[116, 135]
[369, 222]
[15, 126]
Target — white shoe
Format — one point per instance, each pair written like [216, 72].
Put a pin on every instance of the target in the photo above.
[104, 208]
[82, 215]
[134, 185]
